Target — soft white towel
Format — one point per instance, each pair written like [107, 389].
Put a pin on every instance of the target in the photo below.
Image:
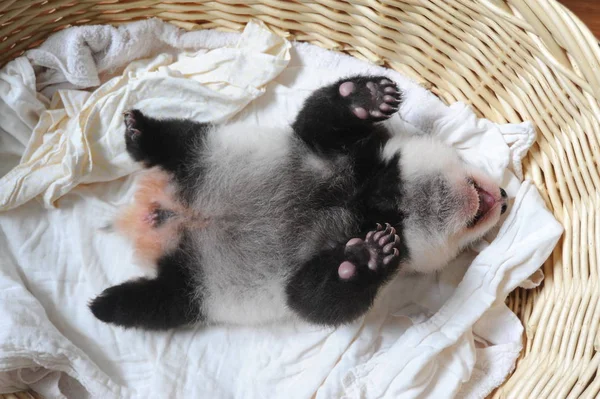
[81, 56]
[440, 336]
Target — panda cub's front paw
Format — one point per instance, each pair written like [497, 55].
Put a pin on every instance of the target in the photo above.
[371, 98]
[375, 257]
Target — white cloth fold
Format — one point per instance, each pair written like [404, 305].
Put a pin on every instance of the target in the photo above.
[76, 140]
[442, 335]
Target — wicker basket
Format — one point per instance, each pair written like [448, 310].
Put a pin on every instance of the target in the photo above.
[512, 60]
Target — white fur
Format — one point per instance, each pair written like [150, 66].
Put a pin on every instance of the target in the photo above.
[421, 158]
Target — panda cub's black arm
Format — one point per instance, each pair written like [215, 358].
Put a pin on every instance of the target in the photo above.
[338, 116]
[340, 284]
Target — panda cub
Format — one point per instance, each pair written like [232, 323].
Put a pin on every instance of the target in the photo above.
[307, 222]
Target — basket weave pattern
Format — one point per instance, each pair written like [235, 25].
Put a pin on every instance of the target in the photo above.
[511, 60]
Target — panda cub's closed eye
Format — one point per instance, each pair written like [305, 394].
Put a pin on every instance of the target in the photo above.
[251, 225]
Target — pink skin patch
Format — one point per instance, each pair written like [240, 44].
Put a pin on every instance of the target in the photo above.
[346, 270]
[137, 221]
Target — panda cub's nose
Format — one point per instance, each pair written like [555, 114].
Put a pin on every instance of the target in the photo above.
[504, 204]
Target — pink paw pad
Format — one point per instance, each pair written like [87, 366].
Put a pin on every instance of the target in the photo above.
[376, 252]
[360, 113]
[346, 89]
[374, 99]
[346, 270]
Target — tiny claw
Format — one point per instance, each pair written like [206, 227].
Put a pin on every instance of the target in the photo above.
[388, 248]
[379, 227]
[385, 107]
[128, 116]
[396, 252]
[378, 235]
[384, 240]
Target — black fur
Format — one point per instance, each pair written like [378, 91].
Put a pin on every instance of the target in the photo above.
[155, 304]
[326, 122]
[329, 128]
[318, 294]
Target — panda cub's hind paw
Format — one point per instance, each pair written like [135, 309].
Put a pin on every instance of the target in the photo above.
[132, 128]
[135, 134]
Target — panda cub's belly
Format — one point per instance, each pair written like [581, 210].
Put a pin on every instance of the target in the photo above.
[252, 222]
[264, 221]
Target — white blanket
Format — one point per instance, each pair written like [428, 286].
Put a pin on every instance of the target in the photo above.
[440, 336]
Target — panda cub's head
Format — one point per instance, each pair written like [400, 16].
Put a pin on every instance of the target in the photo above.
[447, 204]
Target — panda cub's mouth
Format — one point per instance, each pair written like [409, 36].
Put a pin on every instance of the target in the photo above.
[487, 202]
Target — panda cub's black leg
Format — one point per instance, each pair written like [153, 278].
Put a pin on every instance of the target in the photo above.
[160, 303]
[340, 285]
[336, 116]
